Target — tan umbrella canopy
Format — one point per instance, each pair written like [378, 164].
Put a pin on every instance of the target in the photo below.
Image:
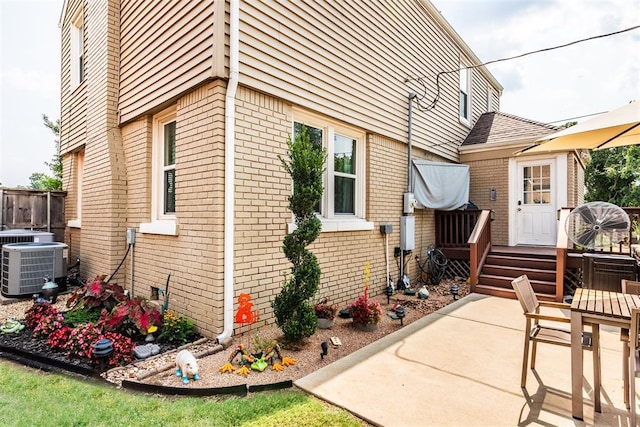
[613, 129]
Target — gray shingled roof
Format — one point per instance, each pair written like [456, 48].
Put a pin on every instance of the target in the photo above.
[497, 127]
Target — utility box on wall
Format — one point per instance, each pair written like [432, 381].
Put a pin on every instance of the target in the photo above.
[407, 233]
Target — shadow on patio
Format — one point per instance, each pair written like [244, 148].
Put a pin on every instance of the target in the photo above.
[461, 366]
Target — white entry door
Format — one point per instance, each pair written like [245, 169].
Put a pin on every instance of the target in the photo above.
[536, 210]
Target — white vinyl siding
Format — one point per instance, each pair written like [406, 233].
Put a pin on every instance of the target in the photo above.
[73, 102]
[166, 48]
[350, 60]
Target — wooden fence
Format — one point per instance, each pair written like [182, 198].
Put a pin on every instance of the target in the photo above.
[39, 210]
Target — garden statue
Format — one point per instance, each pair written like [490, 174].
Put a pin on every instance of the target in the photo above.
[244, 314]
[11, 326]
[186, 366]
[246, 358]
[257, 362]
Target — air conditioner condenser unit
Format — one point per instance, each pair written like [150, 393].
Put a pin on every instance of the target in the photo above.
[25, 266]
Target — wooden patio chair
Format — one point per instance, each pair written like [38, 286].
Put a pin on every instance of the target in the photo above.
[628, 287]
[537, 333]
[634, 362]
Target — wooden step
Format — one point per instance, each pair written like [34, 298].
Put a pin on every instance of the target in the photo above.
[539, 286]
[509, 293]
[522, 262]
[513, 272]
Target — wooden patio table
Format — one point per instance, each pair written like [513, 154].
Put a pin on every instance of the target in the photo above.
[594, 307]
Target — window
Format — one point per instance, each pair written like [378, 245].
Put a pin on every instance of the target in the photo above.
[536, 186]
[465, 95]
[77, 49]
[342, 206]
[79, 173]
[490, 96]
[163, 169]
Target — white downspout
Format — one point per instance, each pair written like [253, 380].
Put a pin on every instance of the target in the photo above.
[229, 167]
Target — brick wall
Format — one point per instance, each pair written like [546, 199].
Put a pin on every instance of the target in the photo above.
[195, 257]
[487, 174]
[104, 180]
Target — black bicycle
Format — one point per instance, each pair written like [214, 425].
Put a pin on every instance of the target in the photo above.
[433, 267]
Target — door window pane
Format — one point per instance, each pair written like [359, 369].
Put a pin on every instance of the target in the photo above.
[536, 186]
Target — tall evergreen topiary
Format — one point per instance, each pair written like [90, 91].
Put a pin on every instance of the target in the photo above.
[293, 307]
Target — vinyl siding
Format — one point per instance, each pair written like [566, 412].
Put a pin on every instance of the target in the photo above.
[166, 48]
[73, 104]
[349, 60]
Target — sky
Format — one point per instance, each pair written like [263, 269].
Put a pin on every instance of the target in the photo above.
[586, 78]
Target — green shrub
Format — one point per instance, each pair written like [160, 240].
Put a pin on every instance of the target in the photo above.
[80, 317]
[176, 329]
[294, 313]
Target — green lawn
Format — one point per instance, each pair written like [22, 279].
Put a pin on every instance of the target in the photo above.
[34, 398]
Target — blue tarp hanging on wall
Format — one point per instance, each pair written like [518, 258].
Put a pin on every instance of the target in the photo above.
[439, 185]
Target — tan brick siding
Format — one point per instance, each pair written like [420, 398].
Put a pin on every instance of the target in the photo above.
[485, 175]
[195, 257]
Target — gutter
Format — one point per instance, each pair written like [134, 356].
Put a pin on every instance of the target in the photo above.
[229, 166]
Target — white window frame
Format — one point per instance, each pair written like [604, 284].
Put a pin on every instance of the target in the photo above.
[465, 87]
[77, 49]
[161, 222]
[332, 222]
[79, 174]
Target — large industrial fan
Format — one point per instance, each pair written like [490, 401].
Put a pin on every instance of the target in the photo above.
[599, 225]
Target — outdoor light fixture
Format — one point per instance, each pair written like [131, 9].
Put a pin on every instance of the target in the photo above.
[400, 312]
[102, 349]
[454, 291]
[388, 292]
[325, 349]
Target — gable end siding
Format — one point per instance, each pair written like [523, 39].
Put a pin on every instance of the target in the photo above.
[166, 48]
[349, 61]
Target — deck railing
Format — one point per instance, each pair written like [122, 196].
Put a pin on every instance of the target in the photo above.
[479, 247]
[453, 228]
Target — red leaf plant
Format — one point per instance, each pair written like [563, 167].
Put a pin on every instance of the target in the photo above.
[132, 316]
[97, 295]
[365, 311]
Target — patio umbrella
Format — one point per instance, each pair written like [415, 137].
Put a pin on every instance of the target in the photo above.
[616, 128]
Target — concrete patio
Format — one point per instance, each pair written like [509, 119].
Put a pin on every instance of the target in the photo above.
[461, 366]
